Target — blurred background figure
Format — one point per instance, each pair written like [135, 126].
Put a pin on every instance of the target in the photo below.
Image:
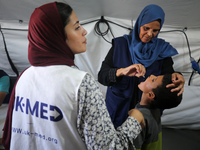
[4, 86]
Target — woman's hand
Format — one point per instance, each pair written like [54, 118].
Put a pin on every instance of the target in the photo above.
[138, 116]
[178, 82]
[133, 70]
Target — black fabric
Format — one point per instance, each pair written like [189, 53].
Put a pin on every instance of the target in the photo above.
[107, 69]
[3, 73]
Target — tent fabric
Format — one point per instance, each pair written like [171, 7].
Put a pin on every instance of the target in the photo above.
[176, 11]
[14, 18]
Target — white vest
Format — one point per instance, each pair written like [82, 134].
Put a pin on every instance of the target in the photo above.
[45, 109]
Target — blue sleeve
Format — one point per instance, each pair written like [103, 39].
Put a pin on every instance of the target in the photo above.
[4, 84]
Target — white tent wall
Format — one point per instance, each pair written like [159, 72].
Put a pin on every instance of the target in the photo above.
[186, 115]
[177, 11]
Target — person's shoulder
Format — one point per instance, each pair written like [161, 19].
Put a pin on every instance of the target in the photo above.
[144, 109]
[120, 38]
[119, 41]
[75, 70]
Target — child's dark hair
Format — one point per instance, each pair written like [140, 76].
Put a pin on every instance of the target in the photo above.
[65, 11]
[164, 98]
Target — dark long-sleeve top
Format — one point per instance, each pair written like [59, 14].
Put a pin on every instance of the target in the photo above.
[107, 73]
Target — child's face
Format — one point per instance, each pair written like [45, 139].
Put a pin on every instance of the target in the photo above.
[150, 83]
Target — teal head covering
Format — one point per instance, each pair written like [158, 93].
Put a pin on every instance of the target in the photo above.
[156, 49]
